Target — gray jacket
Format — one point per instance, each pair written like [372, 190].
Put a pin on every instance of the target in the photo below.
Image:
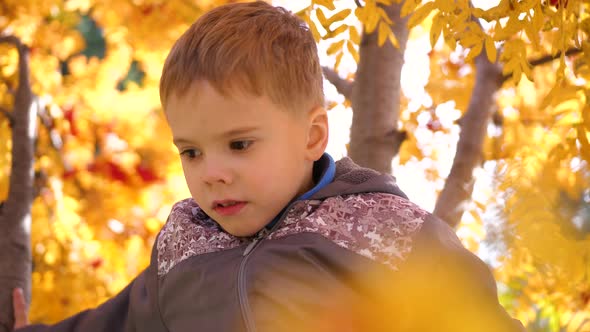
[357, 256]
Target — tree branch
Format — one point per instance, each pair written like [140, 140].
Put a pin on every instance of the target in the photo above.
[546, 59]
[358, 3]
[47, 122]
[15, 221]
[375, 136]
[8, 86]
[10, 39]
[8, 115]
[458, 188]
[343, 86]
[473, 18]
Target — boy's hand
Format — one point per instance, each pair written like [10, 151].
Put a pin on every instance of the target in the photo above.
[19, 306]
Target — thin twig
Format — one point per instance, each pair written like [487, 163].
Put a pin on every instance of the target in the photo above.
[9, 86]
[473, 18]
[8, 115]
[343, 86]
[10, 39]
[546, 59]
[47, 122]
[358, 3]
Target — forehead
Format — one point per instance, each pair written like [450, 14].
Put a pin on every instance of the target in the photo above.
[203, 110]
[204, 96]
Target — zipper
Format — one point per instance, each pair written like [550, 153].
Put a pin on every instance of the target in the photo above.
[242, 292]
[259, 237]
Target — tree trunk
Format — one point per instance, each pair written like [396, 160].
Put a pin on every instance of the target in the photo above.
[15, 216]
[374, 135]
[458, 188]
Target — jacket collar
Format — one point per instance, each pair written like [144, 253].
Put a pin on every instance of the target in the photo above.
[324, 170]
[350, 178]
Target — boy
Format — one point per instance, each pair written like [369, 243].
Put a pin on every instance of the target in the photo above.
[277, 236]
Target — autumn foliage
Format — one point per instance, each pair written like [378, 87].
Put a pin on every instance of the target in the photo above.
[106, 173]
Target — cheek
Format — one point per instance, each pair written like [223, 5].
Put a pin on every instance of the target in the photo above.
[191, 177]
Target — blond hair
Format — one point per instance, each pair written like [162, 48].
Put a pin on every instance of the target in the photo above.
[254, 46]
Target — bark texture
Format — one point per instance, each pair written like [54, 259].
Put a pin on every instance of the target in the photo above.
[15, 214]
[343, 86]
[375, 137]
[456, 194]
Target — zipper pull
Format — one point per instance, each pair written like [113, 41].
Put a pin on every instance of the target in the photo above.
[254, 242]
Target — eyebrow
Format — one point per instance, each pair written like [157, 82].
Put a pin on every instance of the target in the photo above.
[178, 141]
[239, 131]
[229, 133]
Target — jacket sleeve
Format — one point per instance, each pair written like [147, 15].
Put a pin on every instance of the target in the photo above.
[133, 309]
[445, 287]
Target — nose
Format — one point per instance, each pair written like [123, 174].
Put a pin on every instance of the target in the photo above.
[216, 171]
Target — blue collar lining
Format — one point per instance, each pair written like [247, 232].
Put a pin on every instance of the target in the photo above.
[325, 167]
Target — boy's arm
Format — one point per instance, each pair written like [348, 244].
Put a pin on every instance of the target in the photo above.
[133, 309]
[448, 288]
[130, 310]
[19, 308]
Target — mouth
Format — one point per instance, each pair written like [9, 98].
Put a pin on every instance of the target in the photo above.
[228, 207]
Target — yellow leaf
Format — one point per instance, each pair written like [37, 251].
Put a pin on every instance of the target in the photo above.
[478, 12]
[563, 114]
[335, 47]
[537, 21]
[326, 3]
[409, 6]
[392, 39]
[475, 51]
[586, 117]
[339, 16]
[408, 150]
[372, 19]
[513, 25]
[384, 15]
[584, 143]
[338, 30]
[383, 33]
[361, 14]
[354, 35]
[420, 14]
[491, 50]
[548, 99]
[526, 67]
[314, 31]
[517, 74]
[436, 29]
[338, 59]
[353, 51]
[322, 18]
[448, 37]
[481, 206]
[470, 39]
[459, 26]
[532, 34]
[445, 5]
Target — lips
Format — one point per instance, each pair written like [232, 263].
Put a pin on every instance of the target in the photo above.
[228, 207]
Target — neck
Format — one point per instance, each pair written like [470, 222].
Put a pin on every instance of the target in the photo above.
[307, 182]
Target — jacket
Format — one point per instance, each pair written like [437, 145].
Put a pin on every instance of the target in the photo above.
[356, 256]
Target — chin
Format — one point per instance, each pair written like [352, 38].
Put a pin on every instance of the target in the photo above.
[242, 232]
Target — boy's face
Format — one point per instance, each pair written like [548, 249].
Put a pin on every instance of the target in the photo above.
[244, 158]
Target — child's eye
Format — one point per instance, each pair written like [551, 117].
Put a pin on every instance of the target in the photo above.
[190, 153]
[240, 145]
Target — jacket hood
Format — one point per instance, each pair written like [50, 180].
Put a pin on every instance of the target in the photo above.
[351, 178]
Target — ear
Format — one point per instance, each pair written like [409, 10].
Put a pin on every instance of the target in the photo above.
[317, 133]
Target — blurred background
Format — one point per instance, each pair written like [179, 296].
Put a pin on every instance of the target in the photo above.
[480, 109]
